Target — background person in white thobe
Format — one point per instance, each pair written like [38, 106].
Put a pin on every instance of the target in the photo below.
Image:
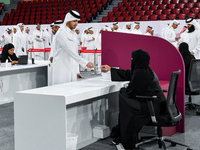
[192, 37]
[116, 27]
[47, 41]
[55, 27]
[136, 28]
[127, 28]
[84, 44]
[66, 54]
[38, 43]
[16, 41]
[107, 28]
[29, 40]
[77, 30]
[98, 47]
[6, 37]
[149, 31]
[22, 35]
[170, 34]
[90, 42]
[163, 31]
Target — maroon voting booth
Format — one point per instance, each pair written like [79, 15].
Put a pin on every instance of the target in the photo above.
[165, 59]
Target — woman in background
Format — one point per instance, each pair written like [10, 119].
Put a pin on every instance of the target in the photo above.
[187, 57]
[8, 54]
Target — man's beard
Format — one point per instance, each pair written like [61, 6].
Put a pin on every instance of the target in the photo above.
[191, 29]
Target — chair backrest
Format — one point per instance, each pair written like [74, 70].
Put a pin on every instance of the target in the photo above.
[194, 75]
[172, 108]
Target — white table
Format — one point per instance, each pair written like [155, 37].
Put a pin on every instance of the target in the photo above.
[21, 77]
[43, 116]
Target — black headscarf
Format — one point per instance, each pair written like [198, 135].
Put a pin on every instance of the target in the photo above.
[5, 54]
[187, 57]
[142, 75]
[184, 50]
[140, 59]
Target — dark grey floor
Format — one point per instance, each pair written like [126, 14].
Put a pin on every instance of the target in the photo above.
[190, 137]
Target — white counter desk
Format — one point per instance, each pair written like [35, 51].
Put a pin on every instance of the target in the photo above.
[43, 116]
[21, 77]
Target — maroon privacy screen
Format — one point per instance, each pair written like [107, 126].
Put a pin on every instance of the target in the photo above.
[165, 59]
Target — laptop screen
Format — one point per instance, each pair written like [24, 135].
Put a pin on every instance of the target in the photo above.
[23, 59]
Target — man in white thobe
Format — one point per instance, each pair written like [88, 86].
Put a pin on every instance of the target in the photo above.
[55, 27]
[20, 47]
[47, 37]
[16, 41]
[98, 47]
[127, 28]
[66, 54]
[29, 40]
[107, 28]
[170, 34]
[163, 31]
[77, 30]
[136, 28]
[38, 40]
[149, 31]
[6, 37]
[192, 37]
[116, 27]
[84, 44]
[90, 42]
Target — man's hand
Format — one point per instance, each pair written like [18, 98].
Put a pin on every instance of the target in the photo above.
[43, 39]
[177, 38]
[90, 65]
[80, 43]
[192, 53]
[51, 59]
[93, 38]
[105, 67]
[3, 36]
[79, 76]
[38, 36]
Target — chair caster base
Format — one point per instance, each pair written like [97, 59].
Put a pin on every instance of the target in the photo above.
[173, 144]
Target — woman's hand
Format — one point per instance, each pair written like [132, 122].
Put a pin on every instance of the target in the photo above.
[14, 62]
[106, 67]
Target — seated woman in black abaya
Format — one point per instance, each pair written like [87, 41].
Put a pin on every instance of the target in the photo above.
[8, 54]
[187, 57]
[143, 81]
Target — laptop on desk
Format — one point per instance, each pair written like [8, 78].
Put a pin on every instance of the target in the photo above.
[23, 60]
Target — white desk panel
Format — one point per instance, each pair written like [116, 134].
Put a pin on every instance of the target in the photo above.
[21, 77]
[43, 116]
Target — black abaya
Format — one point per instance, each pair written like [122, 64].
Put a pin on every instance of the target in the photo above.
[6, 56]
[187, 57]
[143, 81]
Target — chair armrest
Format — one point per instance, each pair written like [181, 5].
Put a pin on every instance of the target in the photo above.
[150, 106]
[146, 97]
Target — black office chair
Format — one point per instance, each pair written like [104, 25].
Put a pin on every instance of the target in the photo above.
[194, 84]
[168, 119]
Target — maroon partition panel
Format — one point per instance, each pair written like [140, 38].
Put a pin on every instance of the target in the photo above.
[165, 58]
